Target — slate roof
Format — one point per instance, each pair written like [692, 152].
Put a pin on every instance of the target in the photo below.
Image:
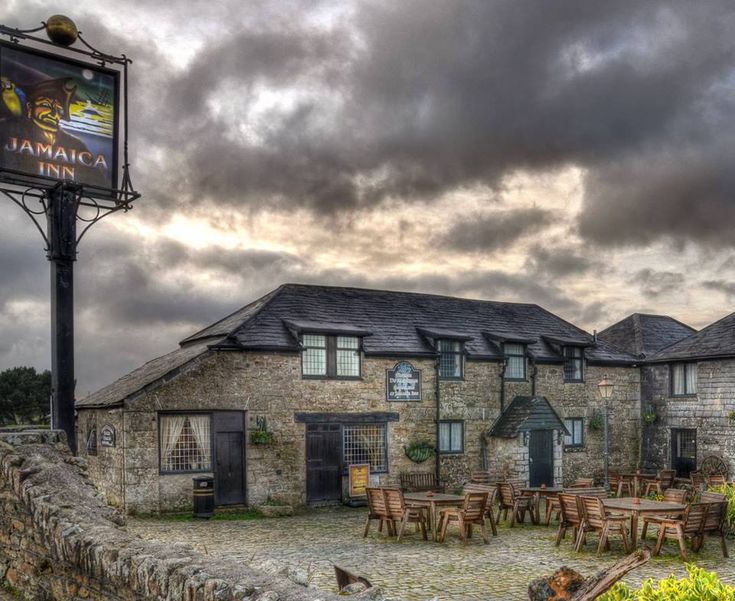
[644, 335]
[402, 323]
[716, 341]
[527, 413]
[160, 369]
[392, 323]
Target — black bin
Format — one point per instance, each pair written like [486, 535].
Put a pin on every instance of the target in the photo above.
[203, 496]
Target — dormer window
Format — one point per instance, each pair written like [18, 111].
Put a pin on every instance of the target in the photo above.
[451, 359]
[515, 361]
[683, 379]
[573, 364]
[330, 356]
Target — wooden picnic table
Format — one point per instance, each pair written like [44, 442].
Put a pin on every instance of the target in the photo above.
[537, 492]
[628, 505]
[638, 478]
[433, 501]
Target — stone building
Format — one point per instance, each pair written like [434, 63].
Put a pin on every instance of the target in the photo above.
[687, 389]
[277, 399]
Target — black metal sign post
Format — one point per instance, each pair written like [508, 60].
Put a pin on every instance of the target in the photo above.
[62, 250]
[62, 182]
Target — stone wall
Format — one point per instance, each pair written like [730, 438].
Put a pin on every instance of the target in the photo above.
[59, 541]
[707, 412]
[270, 385]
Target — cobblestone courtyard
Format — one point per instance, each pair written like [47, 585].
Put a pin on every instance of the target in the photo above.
[413, 569]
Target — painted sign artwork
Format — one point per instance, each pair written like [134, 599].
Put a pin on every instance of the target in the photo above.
[403, 382]
[57, 118]
[359, 479]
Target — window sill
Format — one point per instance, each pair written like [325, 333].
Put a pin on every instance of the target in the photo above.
[684, 396]
[451, 452]
[574, 449]
[573, 381]
[184, 473]
[515, 379]
[334, 378]
[451, 378]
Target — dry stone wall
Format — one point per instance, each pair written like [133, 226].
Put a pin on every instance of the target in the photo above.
[59, 541]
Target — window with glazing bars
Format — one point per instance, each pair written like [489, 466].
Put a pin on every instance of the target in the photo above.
[365, 443]
[330, 356]
[185, 443]
[451, 437]
[575, 425]
[515, 358]
[683, 379]
[450, 359]
[573, 363]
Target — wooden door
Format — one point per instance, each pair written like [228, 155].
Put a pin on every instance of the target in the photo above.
[228, 473]
[683, 451]
[541, 458]
[229, 457]
[323, 463]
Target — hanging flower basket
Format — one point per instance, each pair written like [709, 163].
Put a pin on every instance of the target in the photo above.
[419, 451]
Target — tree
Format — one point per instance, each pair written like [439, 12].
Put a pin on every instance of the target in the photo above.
[24, 396]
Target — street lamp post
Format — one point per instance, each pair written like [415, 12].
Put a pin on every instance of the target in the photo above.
[605, 387]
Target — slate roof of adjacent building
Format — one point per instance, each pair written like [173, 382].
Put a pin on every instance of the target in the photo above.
[716, 341]
[160, 369]
[644, 335]
[527, 413]
[393, 324]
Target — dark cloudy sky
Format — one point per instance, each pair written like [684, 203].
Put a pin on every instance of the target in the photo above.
[576, 154]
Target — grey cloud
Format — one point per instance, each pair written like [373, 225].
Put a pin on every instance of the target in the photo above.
[656, 283]
[493, 231]
[560, 261]
[724, 286]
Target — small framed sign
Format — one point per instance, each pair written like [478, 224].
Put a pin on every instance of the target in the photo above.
[107, 436]
[403, 382]
[359, 479]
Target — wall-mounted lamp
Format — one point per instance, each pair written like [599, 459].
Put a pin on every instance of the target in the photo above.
[525, 438]
[559, 436]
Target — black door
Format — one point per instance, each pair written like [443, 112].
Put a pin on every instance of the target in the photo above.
[323, 463]
[683, 451]
[229, 455]
[541, 458]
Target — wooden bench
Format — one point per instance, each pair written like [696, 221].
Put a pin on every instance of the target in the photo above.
[419, 482]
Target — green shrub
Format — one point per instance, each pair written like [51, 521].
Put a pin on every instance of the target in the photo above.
[729, 491]
[700, 585]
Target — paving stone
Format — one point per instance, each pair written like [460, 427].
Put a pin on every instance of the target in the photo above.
[414, 569]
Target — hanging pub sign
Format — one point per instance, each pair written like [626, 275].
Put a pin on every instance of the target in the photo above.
[107, 436]
[359, 479]
[403, 382]
[58, 118]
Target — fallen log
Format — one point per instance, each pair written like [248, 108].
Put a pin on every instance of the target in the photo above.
[569, 585]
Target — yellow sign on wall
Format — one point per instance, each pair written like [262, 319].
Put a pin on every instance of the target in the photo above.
[359, 479]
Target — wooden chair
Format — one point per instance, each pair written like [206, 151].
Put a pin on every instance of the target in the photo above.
[716, 480]
[595, 491]
[472, 512]
[377, 511]
[583, 483]
[480, 477]
[403, 514]
[492, 495]
[690, 525]
[613, 478]
[419, 482]
[714, 523]
[626, 484]
[663, 481]
[511, 500]
[671, 495]
[595, 519]
[570, 516]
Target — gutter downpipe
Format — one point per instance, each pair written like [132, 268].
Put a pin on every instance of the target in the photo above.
[437, 393]
[534, 371]
[503, 365]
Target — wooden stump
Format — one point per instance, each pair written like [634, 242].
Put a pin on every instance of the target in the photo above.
[568, 585]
